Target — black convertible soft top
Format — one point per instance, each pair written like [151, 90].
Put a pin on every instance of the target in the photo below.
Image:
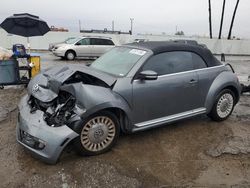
[158, 47]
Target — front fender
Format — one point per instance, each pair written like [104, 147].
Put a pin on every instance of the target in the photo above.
[95, 98]
[224, 80]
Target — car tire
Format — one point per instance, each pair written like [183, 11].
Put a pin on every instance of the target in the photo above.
[70, 55]
[97, 134]
[223, 106]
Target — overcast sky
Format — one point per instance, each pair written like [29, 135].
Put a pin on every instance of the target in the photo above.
[150, 16]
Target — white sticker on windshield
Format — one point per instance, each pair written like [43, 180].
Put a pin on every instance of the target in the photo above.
[137, 52]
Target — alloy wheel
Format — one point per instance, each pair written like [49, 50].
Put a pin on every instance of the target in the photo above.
[98, 133]
[225, 105]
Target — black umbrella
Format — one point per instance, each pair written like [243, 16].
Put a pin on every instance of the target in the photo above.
[25, 25]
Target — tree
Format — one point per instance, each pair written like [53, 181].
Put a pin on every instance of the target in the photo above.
[232, 22]
[222, 18]
[210, 19]
[179, 33]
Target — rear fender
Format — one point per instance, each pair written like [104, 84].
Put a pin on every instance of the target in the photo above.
[226, 79]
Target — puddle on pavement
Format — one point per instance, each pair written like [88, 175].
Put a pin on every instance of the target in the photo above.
[232, 145]
[238, 142]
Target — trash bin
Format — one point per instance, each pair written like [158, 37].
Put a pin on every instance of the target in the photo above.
[9, 73]
[35, 60]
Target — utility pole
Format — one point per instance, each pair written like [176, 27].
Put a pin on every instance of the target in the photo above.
[131, 24]
[210, 19]
[222, 18]
[113, 25]
[80, 26]
[232, 22]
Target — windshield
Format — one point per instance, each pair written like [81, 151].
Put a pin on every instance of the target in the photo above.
[71, 40]
[118, 61]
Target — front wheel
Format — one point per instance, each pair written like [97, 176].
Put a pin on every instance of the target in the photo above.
[97, 134]
[70, 55]
[223, 106]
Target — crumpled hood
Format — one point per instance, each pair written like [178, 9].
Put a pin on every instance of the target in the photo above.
[46, 85]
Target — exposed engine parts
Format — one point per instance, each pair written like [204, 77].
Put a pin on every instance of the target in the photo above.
[56, 112]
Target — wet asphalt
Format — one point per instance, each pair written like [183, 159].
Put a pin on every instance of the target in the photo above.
[192, 153]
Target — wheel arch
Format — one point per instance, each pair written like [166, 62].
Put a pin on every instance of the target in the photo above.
[225, 80]
[235, 91]
[119, 112]
[70, 50]
[122, 117]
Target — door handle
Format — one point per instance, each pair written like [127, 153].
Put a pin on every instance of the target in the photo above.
[193, 81]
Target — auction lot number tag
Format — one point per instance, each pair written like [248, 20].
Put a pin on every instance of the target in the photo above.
[137, 52]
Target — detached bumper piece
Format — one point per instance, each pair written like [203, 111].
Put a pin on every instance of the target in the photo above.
[245, 88]
[43, 141]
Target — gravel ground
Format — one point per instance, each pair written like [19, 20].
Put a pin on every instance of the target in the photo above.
[192, 153]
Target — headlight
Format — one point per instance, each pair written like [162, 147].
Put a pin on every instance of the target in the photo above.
[32, 141]
[61, 48]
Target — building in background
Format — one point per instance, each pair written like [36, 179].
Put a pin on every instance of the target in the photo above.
[60, 29]
[104, 31]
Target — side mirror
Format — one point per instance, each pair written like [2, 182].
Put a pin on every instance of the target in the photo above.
[78, 44]
[148, 75]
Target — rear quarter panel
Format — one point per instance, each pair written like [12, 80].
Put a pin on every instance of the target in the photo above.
[224, 79]
[206, 78]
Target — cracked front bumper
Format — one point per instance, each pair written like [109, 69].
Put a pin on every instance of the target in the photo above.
[54, 138]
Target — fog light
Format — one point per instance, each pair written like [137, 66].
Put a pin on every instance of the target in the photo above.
[32, 141]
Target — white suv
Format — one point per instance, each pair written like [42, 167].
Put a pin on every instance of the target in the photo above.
[83, 47]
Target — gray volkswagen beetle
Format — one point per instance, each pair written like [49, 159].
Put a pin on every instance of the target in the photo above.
[131, 88]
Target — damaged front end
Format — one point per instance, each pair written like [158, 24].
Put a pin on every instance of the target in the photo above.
[56, 102]
[52, 92]
[35, 134]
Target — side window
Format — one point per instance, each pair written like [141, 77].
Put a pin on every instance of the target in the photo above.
[107, 42]
[199, 63]
[85, 41]
[95, 41]
[170, 62]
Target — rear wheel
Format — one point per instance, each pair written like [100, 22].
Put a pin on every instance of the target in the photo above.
[70, 55]
[223, 106]
[97, 134]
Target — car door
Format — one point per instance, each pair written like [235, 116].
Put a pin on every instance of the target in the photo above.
[100, 46]
[174, 92]
[206, 77]
[83, 48]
